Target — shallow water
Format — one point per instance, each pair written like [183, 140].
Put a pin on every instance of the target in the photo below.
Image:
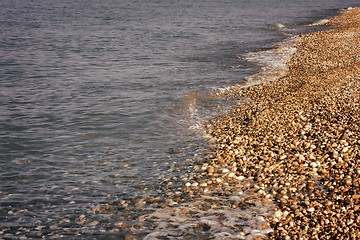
[102, 105]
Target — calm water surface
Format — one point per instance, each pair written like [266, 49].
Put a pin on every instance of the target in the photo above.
[102, 102]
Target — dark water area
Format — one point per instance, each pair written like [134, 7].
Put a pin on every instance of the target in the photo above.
[102, 102]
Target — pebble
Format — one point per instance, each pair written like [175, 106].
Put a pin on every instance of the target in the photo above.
[311, 209]
[231, 175]
[210, 169]
[314, 165]
[195, 184]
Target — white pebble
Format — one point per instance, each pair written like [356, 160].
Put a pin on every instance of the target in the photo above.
[231, 175]
[345, 149]
[260, 219]
[278, 214]
[311, 209]
[242, 178]
[314, 165]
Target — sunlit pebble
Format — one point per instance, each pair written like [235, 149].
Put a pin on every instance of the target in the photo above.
[348, 181]
[240, 178]
[314, 164]
[311, 209]
[210, 170]
[285, 213]
[261, 192]
[278, 214]
[172, 202]
[231, 175]
[343, 142]
[225, 170]
[268, 196]
[260, 218]
[195, 184]
[301, 157]
[118, 224]
[38, 228]
[187, 184]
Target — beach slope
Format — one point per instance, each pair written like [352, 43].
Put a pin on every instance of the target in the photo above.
[299, 136]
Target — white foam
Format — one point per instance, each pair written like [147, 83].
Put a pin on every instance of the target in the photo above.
[273, 66]
[186, 112]
[221, 214]
[320, 22]
[277, 26]
[272, 62]
[196, 108]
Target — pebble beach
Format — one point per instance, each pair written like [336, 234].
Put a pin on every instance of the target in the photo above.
[151, 119]
[297, 139]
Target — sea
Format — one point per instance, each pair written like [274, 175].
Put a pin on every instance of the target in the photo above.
[103, 105]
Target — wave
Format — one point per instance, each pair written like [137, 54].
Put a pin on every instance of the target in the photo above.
[272, 62]
[228, 207]
[220, 203]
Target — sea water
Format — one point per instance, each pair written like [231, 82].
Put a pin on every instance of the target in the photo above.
[102, 105]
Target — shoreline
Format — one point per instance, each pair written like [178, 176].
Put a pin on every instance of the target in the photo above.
[299, 138]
